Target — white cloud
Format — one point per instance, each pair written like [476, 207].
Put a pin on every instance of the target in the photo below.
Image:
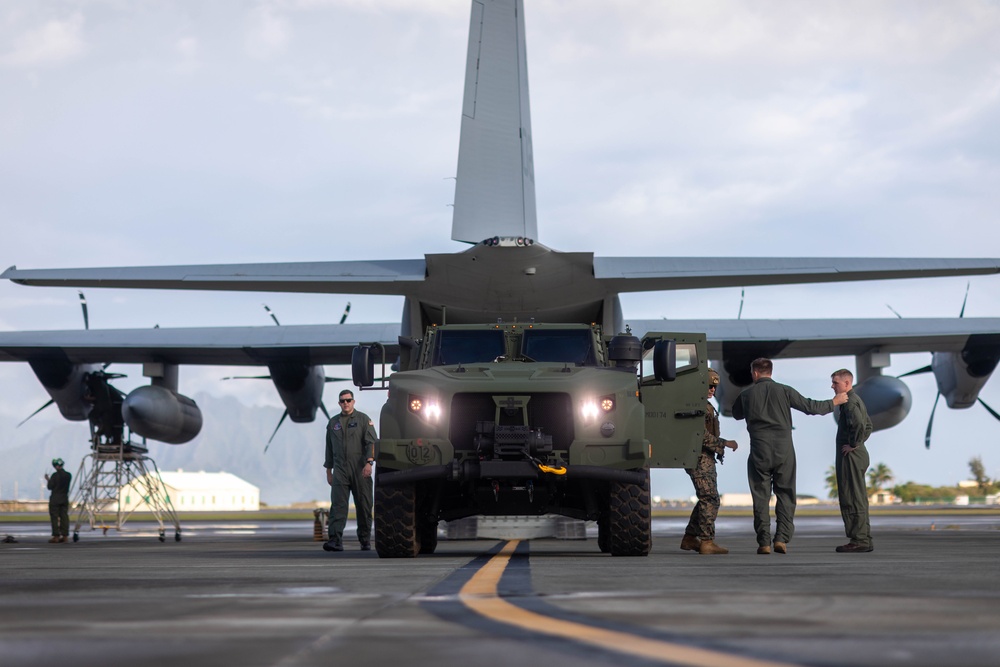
[187, 48]
[267, 34]
[54, 42]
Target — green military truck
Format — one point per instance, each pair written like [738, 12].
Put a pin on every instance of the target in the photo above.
[531, 419]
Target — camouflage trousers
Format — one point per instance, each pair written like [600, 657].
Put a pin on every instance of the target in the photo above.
[706, 488]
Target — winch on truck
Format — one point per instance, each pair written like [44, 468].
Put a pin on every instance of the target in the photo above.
[531, 419]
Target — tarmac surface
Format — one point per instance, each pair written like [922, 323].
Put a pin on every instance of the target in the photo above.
[264, 593]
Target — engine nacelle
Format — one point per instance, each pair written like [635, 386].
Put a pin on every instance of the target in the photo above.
[300, 387]
[160, 414]
[728, 389]
[962, 375]
[65, 383]
[887, 399]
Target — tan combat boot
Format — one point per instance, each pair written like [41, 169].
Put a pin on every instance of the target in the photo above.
[710, 547]
[690, 543]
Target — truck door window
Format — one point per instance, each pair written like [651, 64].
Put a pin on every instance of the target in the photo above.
[687, 359]
[574, 346]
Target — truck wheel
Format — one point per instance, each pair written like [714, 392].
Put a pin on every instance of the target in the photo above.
[630, 530]
[428, 536]
[396, 521]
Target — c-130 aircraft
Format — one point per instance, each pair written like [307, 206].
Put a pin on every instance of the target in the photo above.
[506, 273]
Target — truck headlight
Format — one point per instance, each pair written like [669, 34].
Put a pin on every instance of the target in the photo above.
[427, 409]
[590, 409]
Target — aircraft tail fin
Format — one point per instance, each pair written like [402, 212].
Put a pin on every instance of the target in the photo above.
[495, 189]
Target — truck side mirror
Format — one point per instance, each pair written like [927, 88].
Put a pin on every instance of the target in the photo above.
[362, 366]
[665, 360]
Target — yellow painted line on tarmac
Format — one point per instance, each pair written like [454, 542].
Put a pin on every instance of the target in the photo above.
[480, 595]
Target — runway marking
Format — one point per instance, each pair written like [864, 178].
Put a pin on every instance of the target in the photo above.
[481, 596]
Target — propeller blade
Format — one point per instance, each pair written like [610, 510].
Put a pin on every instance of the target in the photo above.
[925, 369]
[51, 401]
[961, 313]
[989, 409]
[742, 293]
[930, 423]
[83, 304]
[347, 310]
[280, 422]
[247, 377]
[323, 408]
[893, 311]
[271, 313]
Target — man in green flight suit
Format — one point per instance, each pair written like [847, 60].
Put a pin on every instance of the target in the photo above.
[350, 454]
[59, 484]
[766, 405]
[700, 532]
[853, 428]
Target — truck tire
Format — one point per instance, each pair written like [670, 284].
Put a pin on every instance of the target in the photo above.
[396, 521]
[630, 530]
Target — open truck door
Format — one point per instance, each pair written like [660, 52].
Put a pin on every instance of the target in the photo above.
[674, 386]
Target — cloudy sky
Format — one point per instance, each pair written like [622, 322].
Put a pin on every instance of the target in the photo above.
[191, 132]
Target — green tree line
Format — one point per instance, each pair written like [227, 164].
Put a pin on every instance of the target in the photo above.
[879, 477]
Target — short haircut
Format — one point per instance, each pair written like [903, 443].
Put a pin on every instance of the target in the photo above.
[843, 372]
[762, 366]
[346, 392]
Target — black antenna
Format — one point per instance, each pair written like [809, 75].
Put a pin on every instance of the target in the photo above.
[86, 318]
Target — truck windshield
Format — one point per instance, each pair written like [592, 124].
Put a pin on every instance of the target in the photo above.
[572, 346]
[468, 347]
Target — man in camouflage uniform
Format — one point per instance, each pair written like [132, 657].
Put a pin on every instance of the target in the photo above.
[700, 533]
[853, 428]
[350, 454]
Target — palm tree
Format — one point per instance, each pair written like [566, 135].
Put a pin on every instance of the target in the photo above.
[831, 481]
[878, 476]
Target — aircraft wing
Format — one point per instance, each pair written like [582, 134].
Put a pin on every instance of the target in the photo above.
[388, 276]
[645, 274]
[222, 346]
[403, 276]
[826, 338]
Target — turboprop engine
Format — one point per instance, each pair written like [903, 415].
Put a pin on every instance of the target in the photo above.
[84, 392]
[300, 387]
[728, 388]
[65, 383]
[961, 375]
